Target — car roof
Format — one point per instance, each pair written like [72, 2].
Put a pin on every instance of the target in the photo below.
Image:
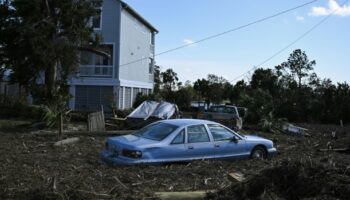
[186, 122]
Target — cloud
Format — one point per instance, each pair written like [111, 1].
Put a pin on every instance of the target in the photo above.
[300, 18]
[333, 6]
[189, 42]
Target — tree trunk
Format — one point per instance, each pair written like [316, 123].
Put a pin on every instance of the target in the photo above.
[60, 126]
[50, 80]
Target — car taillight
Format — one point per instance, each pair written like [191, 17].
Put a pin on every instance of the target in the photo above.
[132, 153]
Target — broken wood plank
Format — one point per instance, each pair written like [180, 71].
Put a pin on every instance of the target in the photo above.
[66, 141]
[118, 118]
[96, 122]
[182, 195]
[237, 176]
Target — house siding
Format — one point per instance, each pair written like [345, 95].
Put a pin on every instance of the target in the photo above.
[135, 49]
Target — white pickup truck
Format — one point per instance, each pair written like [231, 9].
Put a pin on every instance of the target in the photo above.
[230, 116]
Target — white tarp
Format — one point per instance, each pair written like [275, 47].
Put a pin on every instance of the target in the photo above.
[162, 110]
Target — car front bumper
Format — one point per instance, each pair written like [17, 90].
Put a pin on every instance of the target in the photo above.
[272, 152]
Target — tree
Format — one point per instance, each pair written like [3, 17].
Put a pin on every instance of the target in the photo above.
[216, 88]
[157, 79]
[184, 96]
[170, 83]
[298, 64]
[265, 79]
[41, 40]
[201, 86]
[259, 104]
[169, 79]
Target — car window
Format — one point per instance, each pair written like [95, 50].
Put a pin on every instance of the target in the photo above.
[220, 133]
[231, 110]
[221, 109]
[213, 109]
[156, 131]
[197, 133]
[180, 138]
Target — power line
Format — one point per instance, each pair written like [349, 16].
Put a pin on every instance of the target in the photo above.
[292, 43]
[223, 33]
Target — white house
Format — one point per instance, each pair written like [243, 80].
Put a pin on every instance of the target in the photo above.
[127, 66]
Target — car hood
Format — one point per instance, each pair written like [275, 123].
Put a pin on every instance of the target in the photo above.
[254, 138]
[131, 141]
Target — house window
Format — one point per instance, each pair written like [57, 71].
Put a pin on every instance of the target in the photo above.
[103, 55]
[150, 65]
[96, 20]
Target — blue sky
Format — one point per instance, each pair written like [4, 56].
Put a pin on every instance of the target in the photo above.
[180, 22]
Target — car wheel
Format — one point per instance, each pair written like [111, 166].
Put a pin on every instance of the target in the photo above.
[258, 153]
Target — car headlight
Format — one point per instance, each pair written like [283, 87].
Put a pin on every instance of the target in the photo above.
[132, 153]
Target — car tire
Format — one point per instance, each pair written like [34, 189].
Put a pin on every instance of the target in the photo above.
[258, 152]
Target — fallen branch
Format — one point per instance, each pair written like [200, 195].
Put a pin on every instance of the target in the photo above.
[341, 150]
[140, 183]
[95, 194]
[66, 141]
[121, 183]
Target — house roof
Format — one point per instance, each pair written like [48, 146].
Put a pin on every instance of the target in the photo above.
[138, 16]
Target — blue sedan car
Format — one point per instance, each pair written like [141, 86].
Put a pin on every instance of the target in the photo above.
[182, 140]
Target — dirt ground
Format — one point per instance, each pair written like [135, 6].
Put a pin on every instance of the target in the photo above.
[31, 168]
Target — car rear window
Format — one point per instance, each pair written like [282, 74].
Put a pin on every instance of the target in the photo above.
[156, 131]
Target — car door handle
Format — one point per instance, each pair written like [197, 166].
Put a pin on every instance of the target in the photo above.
[217, 145]
[190, 147]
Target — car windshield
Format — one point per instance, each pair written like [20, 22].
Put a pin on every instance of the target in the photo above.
[156, 131]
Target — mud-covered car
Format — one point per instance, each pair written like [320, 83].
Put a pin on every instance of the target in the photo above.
[182, 140]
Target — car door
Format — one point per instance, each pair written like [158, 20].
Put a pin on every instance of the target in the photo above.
[199, 144]
[175, 151]
[225, 147]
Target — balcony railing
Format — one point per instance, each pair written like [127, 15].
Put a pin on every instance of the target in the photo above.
[96, 70]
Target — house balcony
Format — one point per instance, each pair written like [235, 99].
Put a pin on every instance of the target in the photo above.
[105, 71]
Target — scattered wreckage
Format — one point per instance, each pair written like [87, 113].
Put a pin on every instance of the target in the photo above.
[151, 111]
[295, 130]
[183, 140]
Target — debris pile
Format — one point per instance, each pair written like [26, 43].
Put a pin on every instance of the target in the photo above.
[31, 167]
[291, 181]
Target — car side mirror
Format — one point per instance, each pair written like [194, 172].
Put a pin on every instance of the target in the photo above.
[234, 139]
